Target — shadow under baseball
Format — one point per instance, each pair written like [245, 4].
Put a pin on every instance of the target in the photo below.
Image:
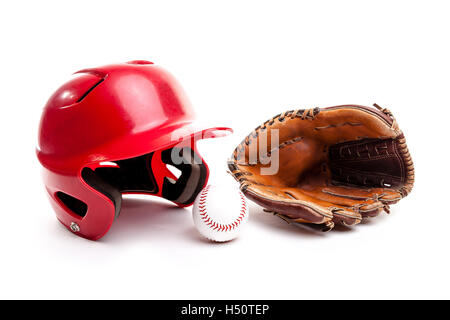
[154, 220]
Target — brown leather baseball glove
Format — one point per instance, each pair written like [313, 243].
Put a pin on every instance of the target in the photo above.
[325, 166]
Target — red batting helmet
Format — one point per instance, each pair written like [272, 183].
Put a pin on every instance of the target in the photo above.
[113, 130]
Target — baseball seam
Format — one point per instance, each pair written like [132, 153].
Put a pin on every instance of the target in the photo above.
[214, 225]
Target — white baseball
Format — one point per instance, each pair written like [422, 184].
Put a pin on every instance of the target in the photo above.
[220, 213]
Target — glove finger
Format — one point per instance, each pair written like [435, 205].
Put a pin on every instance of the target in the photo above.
[319, 184]
[341, 214]
[365, 205]
[373, 200]
[384, 195]
[299, 208]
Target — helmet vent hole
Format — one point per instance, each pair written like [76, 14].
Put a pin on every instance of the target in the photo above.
[175, 171]
[89, 91]
[73, 204]
[141, 62]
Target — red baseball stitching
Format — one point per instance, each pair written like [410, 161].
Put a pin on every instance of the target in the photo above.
[213, 224]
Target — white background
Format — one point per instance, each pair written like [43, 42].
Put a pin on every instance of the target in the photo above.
[241, 62]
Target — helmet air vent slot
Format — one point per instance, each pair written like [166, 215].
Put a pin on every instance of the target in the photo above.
[78, 207]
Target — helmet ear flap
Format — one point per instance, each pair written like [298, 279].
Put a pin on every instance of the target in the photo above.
[194, 174]
[99, 184]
